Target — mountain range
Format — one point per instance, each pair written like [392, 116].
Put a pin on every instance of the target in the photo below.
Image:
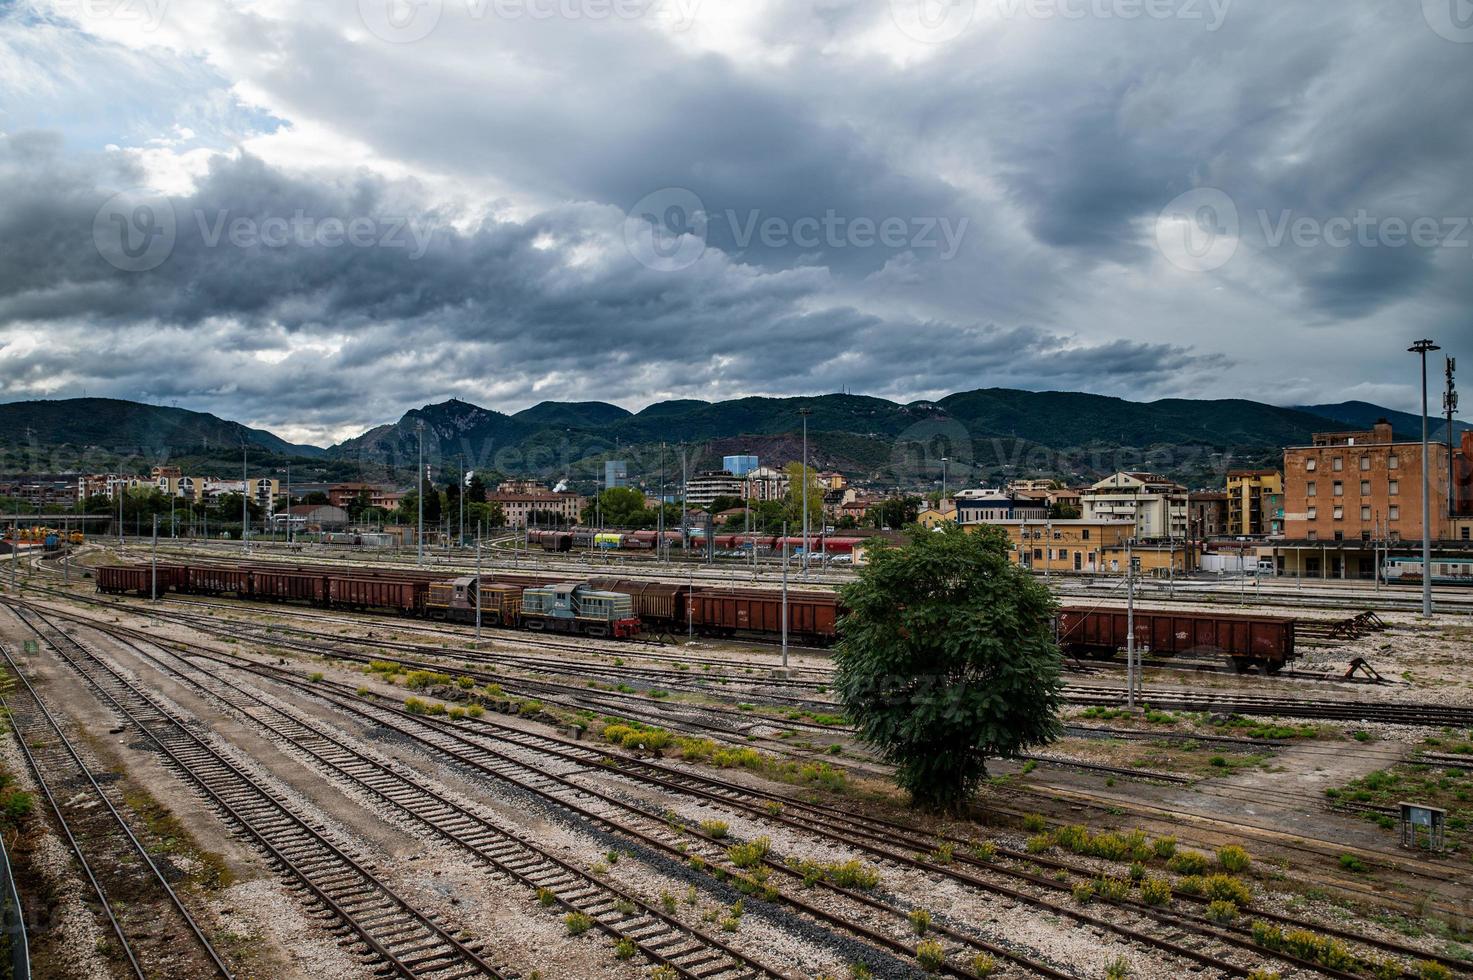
[983, 436]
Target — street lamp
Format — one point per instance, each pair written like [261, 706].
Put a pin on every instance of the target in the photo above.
[805, 412]
[1424, 347]
[245, 492]
[943, 485]
[419, 487]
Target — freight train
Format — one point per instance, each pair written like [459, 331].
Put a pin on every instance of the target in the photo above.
[585, 539]
[623, 608]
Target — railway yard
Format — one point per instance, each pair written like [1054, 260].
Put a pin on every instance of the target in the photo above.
[206, 785]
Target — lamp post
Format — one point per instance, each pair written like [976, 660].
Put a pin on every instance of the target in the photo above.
[245, 495]
[419, 487]
[803, 496]
[1450, 406]
[942, 503]
[1423, 347]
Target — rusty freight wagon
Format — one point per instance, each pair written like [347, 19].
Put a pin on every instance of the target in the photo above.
[212, 580]
[291, 586]
[138, 579]
[660, 605]
[387, 595]
[812, 616]
[1245, 641]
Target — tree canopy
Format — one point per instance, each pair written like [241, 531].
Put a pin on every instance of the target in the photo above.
[946, 658]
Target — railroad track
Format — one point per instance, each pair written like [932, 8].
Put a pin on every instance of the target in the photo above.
[1386, 712]
[892, 844]
[388, 932]
[142, 910]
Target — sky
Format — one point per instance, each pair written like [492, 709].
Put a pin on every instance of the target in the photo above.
[313, 215]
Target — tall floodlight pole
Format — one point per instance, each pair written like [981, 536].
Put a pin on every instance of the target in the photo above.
[460, 496]
[288, 505]
[803, 496]
[1130, 624]
[1450, 406]
[153, 563]
[478, 583]
[245, 496]
[419, 428]
[785, 595]
[942, 502]
[661, 553]
[684, 504]
[1423, 347]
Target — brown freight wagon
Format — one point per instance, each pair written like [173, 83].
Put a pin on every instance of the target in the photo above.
[139, 579]
[385, 594]
[1244, 640]
[291, 586]
[812, 616]
[660, 604]
[213, 580]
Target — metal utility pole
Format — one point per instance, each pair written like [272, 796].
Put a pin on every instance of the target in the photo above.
[661, 552]
[785, 595]
[1450, 406]
[1048, 532]
[1130, 665]
[478, 583]
[419, 428]
[684, 504]
[153, 562]
[118, 487]
[245, 496]
[288, 505]
[1422, 347]
[460, 495]
[805, 412]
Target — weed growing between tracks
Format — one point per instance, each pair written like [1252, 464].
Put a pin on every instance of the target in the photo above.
[1448, 787]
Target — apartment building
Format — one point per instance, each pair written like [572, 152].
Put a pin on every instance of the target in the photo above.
[1064, 545]
[702, 489]
[518, 508]
[1156, 505]
[763, 483]
[997, 506]
[1248, 492]
[1207, 514]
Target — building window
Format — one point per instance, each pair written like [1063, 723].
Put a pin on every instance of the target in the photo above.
[1085, 534]
[1395, 513]
[1365, 513]
[1339, 464]
[1063, 554]
[1466, 531]
[1311, 465]
[1365, 488]
[1339, 535]
[1365, 463]
[1339, 513]
[1339, 489]
[1393, 462]
[1038, 554]
[1310, 490]
[1314, 513]
[1394, 488]
[1313, 536]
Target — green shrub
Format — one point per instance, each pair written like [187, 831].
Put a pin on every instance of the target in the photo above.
[983, 965]
[546, 898]
[1233, 858]
[316, 675]
[1117, 969]
[1262, 974]
[1112, 889]
[749, 855]
[1352, 863]
[1084, 892]
[1222, 912]
[714, 828]
[1034, 823]
[1188, 863]
[417, 707]
[1430, 970]
[418, 680]
[920, 921]
[529, 708]
[1190, 885]
[944, 853]
[464, 682]
[667, 902]
[985, 851]
[624, 949]
[1155, 891]
[1137, 872]
[577, 923]
[1165, 847]
[931, 955]
[1227, 888]
[1039, 843]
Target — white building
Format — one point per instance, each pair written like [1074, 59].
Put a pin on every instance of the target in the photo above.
[1157, 505]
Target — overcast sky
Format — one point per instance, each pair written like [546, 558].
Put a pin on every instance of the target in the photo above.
[311, 215]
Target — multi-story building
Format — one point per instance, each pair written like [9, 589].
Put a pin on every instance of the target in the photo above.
[521, 487]
[41, 491]
[1158, 506]
[764, 483]
[703, 489]
[1207, 514]
[1247, 513]
[739, 465]
[616, 473]
[1031, 486]
[1348, 493]
[995, 506]
[518, 508]
[1064, 545]
[344, 494]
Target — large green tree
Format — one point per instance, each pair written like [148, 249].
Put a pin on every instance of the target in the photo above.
[946, 658]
